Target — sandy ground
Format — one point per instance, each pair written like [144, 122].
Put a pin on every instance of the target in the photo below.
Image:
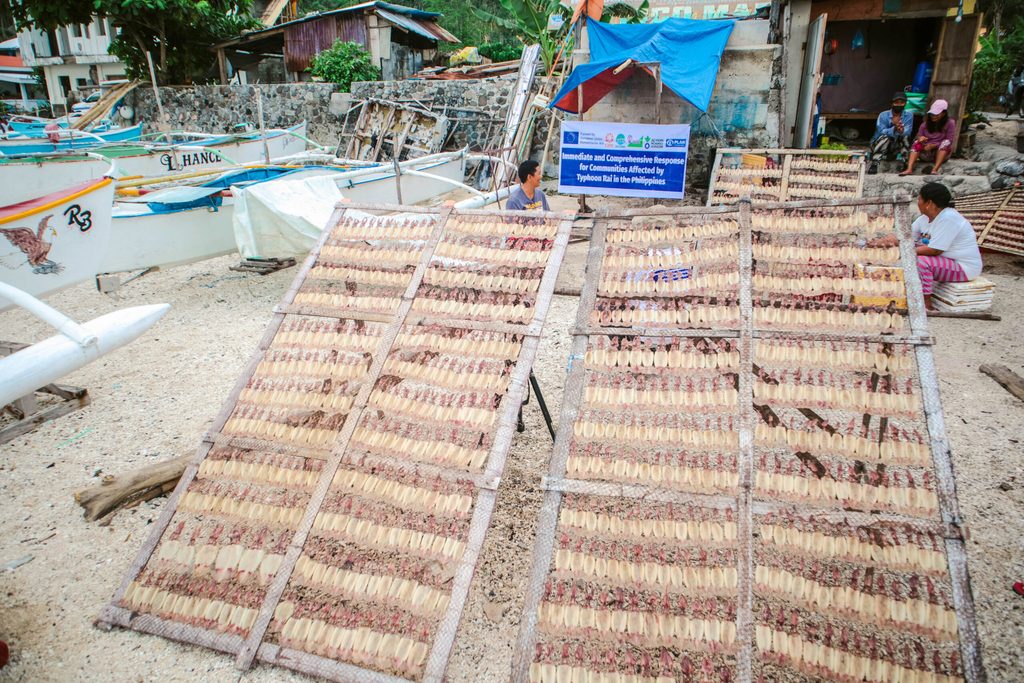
[154, 400]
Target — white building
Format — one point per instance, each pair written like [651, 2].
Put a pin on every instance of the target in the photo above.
[73, 58]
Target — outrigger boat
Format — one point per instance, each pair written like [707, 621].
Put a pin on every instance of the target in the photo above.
[186, 223]
[56, 240]
[67, 140]
[27, 176]
[25, 371]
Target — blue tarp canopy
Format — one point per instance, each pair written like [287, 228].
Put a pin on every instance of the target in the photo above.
[688, 51]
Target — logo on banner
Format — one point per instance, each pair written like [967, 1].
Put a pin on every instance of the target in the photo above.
[571, 138]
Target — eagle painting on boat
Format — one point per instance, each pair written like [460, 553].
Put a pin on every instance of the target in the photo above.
[35, 248]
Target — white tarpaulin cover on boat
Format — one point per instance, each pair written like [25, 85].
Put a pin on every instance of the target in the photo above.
[283, 218]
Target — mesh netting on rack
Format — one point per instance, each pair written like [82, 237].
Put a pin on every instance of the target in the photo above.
[774, 175]
[332, 518]
[756, 487]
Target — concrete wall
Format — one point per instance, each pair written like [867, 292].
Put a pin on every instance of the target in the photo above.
[744, 109]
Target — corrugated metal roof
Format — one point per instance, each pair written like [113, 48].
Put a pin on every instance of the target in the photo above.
[427, 29]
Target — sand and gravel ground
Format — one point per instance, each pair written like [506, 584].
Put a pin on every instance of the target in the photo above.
[154, 399]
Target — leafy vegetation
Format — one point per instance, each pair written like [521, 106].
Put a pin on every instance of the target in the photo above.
[501, 52]
[528, 20]
[459, 17]
[993, 66]
[344, 63]
[177, 33]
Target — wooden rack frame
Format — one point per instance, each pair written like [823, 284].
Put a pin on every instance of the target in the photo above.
[253, 647]
[746, 504]
[783, 175]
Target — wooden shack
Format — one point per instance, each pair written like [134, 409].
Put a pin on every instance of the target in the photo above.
[859, 52]
[400, 39]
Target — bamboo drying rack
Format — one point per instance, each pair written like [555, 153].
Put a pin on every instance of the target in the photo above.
[253, 647]
[949, 525]
[997, 218]
[782, 175]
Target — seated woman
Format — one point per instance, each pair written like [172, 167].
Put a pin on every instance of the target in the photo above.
[947, 250]
[934, 139]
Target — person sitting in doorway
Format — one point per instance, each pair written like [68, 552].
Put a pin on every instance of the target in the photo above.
[528, 196]
[892, 133]
[935, 138]
[947, 249]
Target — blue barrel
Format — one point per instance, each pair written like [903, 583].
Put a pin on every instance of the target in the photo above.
[922, 77]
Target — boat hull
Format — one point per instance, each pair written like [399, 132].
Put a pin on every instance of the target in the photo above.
[31, 145]
[23, 179]
[141, 240]
[56, 241]
[278, 220]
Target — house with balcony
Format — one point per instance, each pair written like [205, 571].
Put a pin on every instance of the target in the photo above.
[74, 59]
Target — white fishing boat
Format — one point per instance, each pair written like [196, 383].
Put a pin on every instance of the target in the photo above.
[23, 177]
[67, 139]
[56, 240]
[285, 218]
[186, 223]
[23, 372]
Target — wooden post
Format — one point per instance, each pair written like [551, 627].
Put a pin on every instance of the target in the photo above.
[222, 66]
[156, 90]
[657, 92]
[262, 124]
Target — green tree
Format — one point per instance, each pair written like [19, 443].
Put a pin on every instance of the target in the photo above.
[993, 64]
[460, 17]
[344, 63]
[528, 19]
[1001, 13]
[176, 33]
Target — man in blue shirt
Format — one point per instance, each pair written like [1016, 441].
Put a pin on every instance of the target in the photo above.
[892, 133]
[528, 197]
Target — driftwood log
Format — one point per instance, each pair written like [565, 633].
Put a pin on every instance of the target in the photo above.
[130, 489]
[1006, 378]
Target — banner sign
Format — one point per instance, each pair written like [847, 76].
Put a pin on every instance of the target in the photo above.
[623, 159]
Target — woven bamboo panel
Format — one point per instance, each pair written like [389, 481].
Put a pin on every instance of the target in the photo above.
[775, 175]
[997, 218]
[813, 445]
[332, 520]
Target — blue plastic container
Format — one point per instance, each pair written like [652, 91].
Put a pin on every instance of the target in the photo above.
[922, 77]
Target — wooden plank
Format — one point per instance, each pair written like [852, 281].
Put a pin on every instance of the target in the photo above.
[34, 420]
[1006, 378]
[968, 315]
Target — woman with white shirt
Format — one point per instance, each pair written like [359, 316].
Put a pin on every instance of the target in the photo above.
[947, 249]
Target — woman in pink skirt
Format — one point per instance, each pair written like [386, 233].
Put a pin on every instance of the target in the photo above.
[934, 139]
[947, 250]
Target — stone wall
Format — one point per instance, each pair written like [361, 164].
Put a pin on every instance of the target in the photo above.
[476, 107]
[220, 108]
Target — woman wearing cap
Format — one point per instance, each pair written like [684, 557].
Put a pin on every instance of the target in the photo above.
[947, 250]
[935, 137]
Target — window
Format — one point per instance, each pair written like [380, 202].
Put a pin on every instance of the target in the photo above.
[80, 83]
[76, 30]
[102, 23]
[88, 30]
[65, 85]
